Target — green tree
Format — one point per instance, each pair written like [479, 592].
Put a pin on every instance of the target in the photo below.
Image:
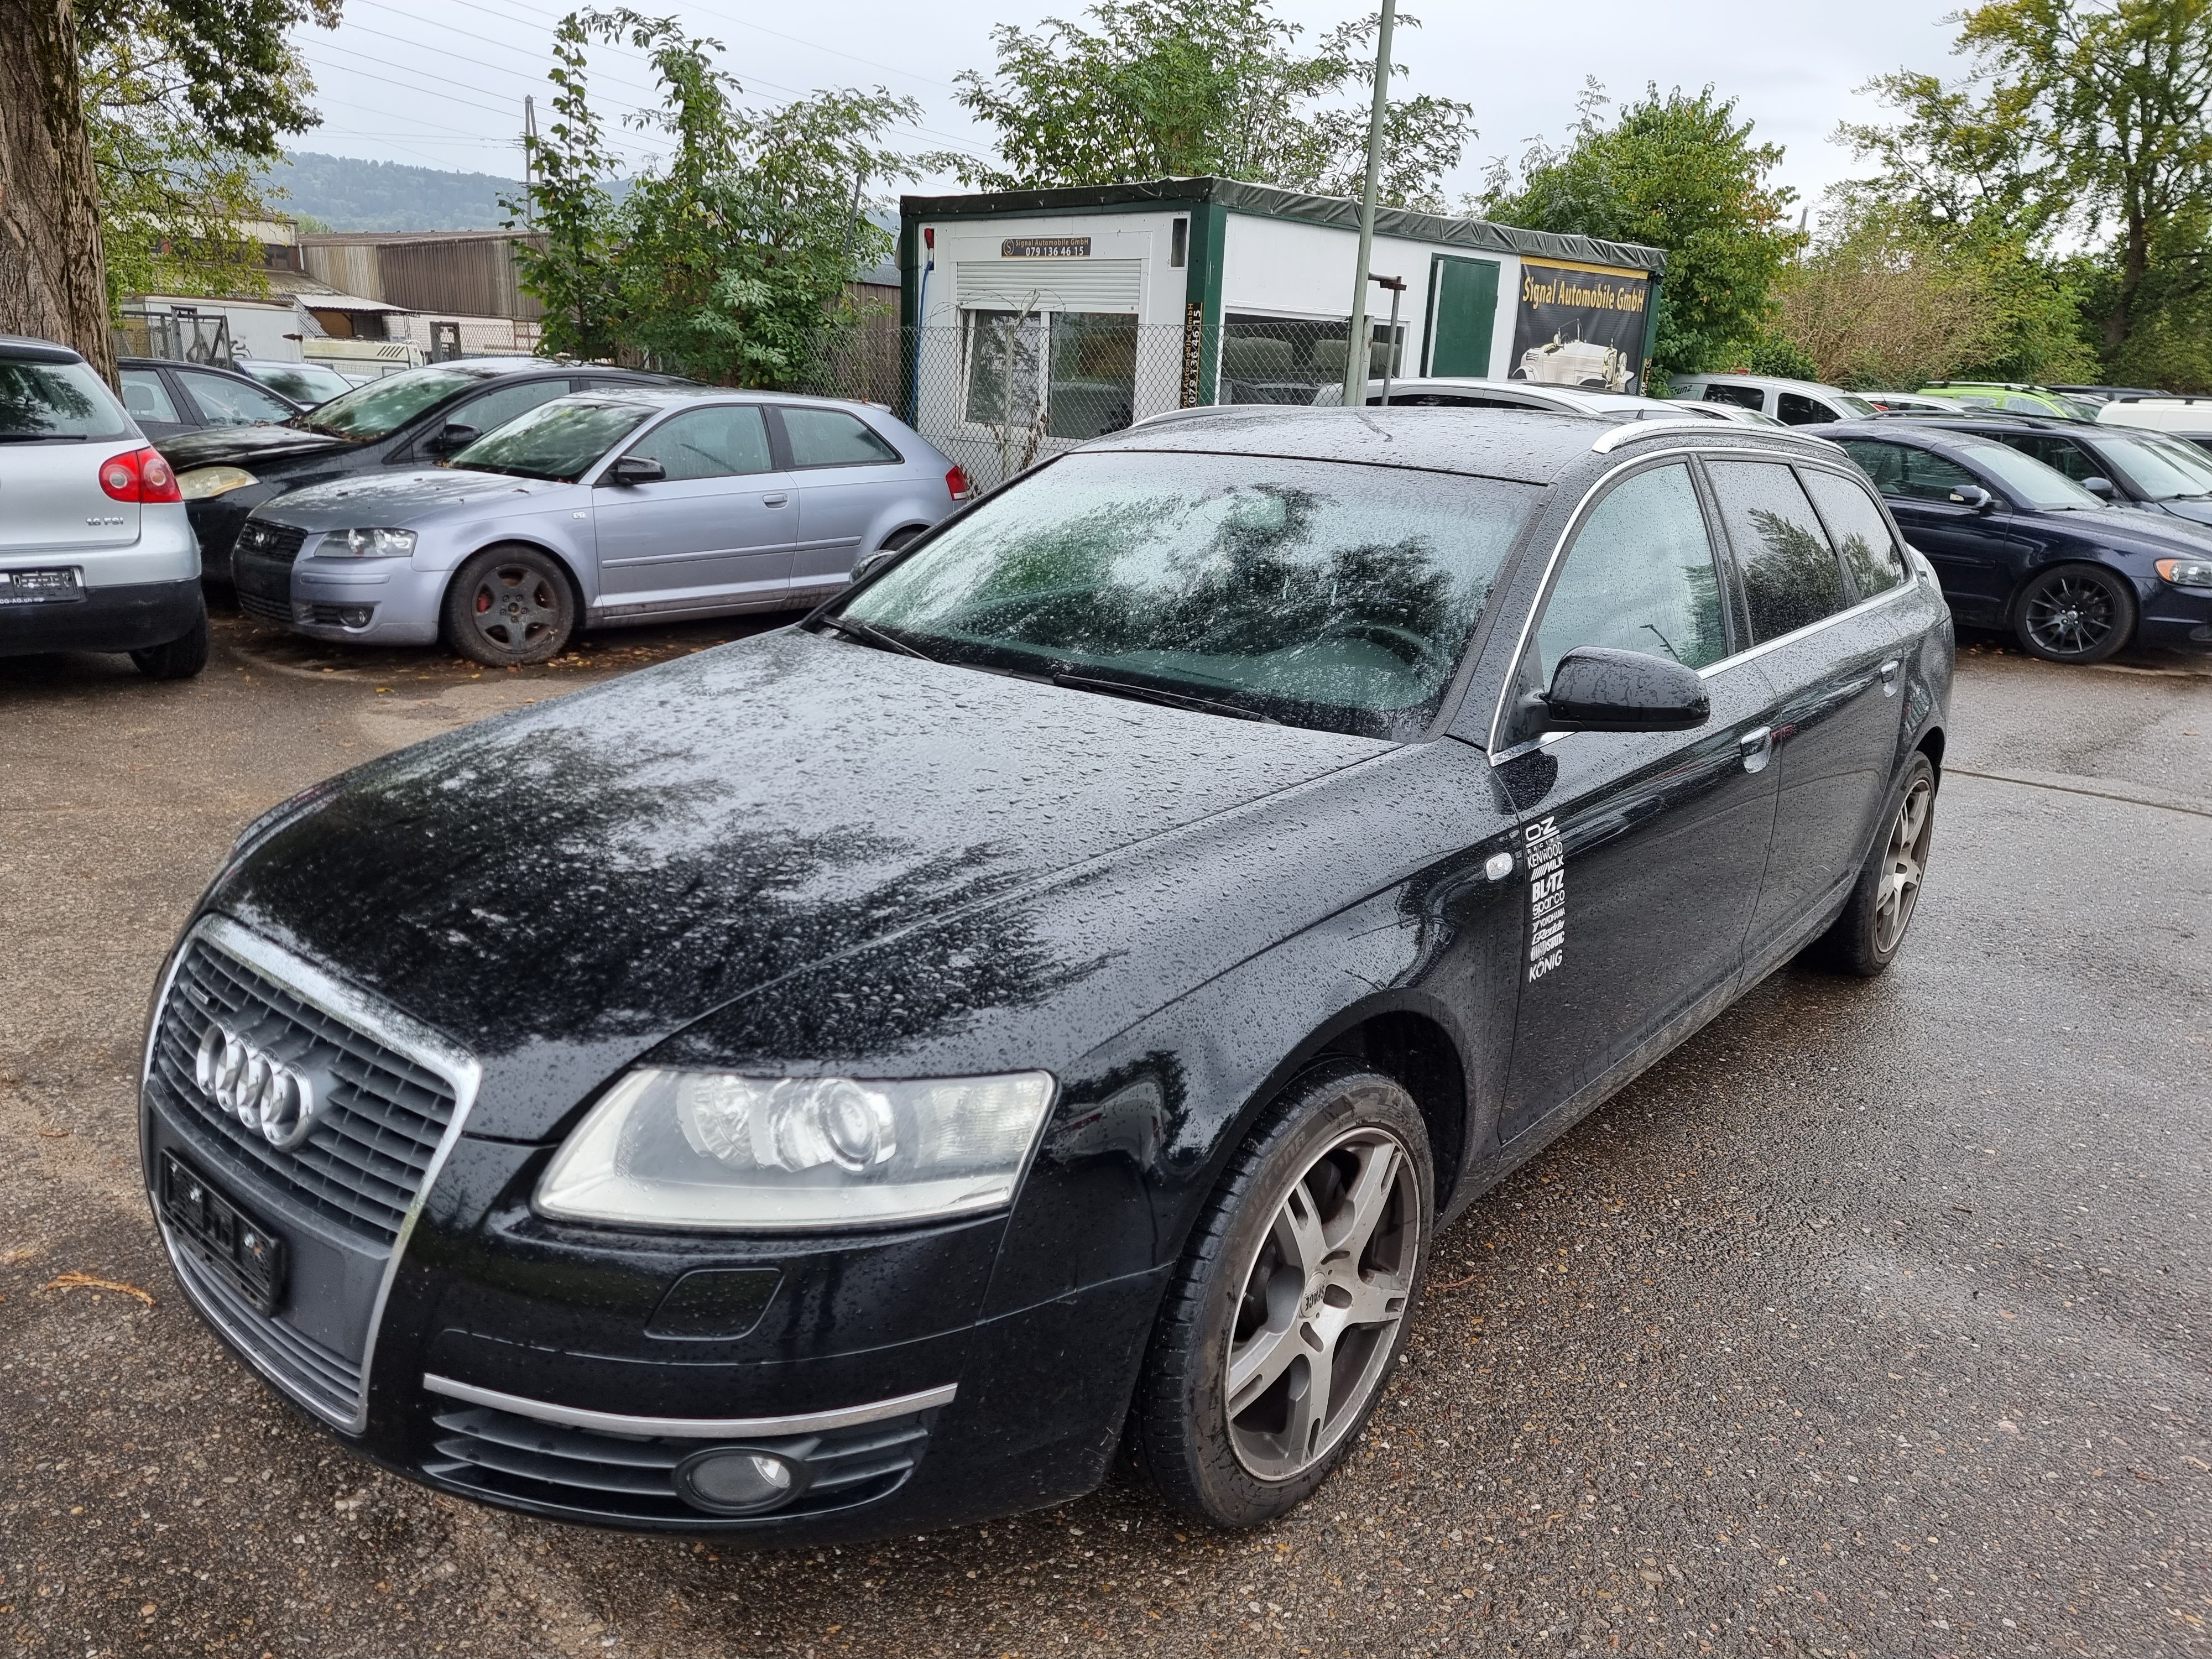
[1678, 171]
[726, 261]
[2082, 116]
[1177, 88]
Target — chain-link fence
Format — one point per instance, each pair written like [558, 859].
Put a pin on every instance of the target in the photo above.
[1003, 389]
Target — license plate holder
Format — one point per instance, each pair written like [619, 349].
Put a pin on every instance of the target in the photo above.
[48, 586]
[224, 1235]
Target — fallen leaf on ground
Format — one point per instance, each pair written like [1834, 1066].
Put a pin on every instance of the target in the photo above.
[75, 1281]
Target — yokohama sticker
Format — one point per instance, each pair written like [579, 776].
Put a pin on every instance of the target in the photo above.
[1547, 897]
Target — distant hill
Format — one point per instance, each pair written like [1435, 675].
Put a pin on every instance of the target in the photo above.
[347, 194]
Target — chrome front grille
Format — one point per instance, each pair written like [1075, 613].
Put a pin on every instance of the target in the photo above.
[383, 1118]
[502, 1455]
[279, 543]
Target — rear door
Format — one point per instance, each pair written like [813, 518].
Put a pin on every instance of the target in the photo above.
[1642, 851]
[1835, 669]
[717, 531]
[848, 477]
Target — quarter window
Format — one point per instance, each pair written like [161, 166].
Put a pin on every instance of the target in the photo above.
[1790, 576]
[1860, 532]
[831, 437]
[722, 441]
[1640, 577]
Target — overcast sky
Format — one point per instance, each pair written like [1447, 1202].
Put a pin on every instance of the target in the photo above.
[440, 83]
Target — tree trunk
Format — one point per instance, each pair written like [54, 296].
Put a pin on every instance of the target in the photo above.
[53, 278]
[2134, 265]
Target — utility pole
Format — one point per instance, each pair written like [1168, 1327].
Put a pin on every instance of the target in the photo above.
[529, 162]
[1397, 287]
[1355, 357]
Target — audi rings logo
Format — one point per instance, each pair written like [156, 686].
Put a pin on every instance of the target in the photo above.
[260, 1090]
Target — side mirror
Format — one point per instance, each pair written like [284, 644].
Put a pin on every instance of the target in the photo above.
[451, 437]
[1596, 689]
[2101, 487]
[868, 564]
[636, 470]
[1975, 496]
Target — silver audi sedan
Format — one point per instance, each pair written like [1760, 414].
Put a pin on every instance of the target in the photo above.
[621, 505]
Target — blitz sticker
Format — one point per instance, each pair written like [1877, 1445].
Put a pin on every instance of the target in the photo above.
[1547, 897]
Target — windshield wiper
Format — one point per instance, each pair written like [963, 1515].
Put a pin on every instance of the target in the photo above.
[1165, 699]
[868, 634]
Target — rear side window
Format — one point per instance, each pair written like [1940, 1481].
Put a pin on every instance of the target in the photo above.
[1795, 408]
[831, 437]
[145, 396]
[1861, 534]
[1640, 577]
[56, 400]
[1743, 397]
[495, 408]
[721, 442]
[1790, 576]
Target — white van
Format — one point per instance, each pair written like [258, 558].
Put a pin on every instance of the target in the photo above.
[2185, 417]
[1793, 402]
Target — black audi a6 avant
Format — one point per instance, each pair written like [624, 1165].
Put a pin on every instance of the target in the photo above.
[855, 1080]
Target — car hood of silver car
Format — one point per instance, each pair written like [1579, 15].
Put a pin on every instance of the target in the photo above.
[399, 501]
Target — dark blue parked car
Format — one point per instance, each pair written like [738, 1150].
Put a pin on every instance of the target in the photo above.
[2021, 546]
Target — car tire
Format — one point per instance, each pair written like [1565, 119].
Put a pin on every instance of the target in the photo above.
[1866, 938]
[507, 606]
[899, 540]
[2077, 613]
[1287, 1256]
[180, 658]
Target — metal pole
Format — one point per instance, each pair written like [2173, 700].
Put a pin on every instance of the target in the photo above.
[1397, 287]
[1355, 358]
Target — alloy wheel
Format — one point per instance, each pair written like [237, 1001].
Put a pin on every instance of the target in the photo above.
[1321, 1303]
[514, 606]
[2071, 615]
[1903, 862]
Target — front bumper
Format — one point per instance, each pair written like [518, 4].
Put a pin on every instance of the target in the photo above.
[131, 617]
[2176, 618]
[452, 1336]
[355, 601]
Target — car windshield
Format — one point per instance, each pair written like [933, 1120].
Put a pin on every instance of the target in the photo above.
[56, 401]
[1317, 593]
[382, 407]
[2159, 469]
[303, 383]
[2028, 481]
[559, 441]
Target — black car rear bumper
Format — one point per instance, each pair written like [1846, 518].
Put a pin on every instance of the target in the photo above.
[128, 618]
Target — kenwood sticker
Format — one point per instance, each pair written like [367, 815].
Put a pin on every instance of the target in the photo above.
[1547, 897]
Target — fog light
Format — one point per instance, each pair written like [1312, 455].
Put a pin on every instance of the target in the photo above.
[354, 615]
[735, 1480]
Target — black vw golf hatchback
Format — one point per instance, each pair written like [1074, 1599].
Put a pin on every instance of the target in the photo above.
[1049, 1000]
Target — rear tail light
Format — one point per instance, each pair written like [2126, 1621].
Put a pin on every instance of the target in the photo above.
[139, 475]
[956, 481]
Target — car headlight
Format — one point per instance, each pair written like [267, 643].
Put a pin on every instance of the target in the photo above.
[2186, 573]
[708, 1149]
[365, 544]
[205, 483]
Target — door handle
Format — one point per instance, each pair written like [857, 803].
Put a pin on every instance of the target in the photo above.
[1889, 676]
[1757, 748]
[774, 500]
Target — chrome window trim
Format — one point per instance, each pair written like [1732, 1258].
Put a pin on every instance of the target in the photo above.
[1498, 757]
[691, 1428]
[387, 1025]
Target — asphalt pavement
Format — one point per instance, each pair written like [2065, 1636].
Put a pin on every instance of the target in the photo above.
[1876, 1321]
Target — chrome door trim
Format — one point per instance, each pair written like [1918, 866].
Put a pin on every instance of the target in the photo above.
[691, 1428]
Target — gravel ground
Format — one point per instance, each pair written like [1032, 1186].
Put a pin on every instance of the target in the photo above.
[1872, 1322]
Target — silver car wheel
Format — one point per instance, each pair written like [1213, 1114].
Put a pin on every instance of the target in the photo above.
[1321, 1303]
[1903, 862]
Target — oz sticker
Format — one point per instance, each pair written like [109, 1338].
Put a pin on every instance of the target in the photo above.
[1547, 897]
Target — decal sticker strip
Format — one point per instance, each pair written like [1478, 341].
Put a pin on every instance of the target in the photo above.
[1547, 897]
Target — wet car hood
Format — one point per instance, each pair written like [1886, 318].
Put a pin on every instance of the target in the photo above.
[399, 498]
[241, 445]
[562, 889]
[2194, 512]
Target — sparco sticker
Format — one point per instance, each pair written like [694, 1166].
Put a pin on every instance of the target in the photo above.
[1547, 897]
